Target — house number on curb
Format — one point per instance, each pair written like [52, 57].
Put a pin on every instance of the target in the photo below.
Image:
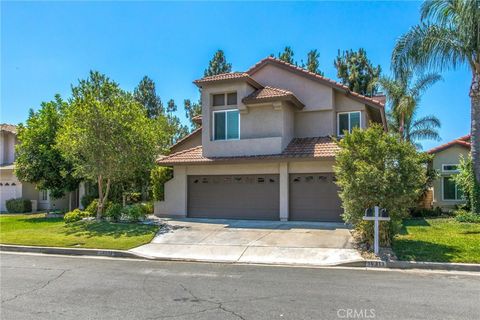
[376, 217]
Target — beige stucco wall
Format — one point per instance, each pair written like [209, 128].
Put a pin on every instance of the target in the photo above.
[175, 203]
[314, 95]
[314, 123]
[448, 156]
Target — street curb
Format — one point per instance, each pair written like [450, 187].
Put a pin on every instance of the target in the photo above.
[69, 251]
[422, 265]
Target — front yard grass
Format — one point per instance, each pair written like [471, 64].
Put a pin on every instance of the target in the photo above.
[438, 240]
[36, 230]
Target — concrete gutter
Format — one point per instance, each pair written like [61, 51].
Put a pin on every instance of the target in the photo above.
[447, 266]
[69, 251]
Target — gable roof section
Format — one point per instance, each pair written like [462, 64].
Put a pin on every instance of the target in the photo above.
[188, 136]
[268, 94]
[8, 128]
[316, 77]
[228, 77]
[304, 148]
[462, 141]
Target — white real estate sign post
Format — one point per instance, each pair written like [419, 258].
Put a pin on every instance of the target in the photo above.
[376, 219]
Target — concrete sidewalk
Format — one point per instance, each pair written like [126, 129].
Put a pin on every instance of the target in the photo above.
[247, 241]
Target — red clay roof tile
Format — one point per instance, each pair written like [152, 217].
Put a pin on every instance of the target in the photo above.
[462, 141]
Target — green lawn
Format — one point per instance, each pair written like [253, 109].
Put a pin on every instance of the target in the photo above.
[35, 230]
[438, 240]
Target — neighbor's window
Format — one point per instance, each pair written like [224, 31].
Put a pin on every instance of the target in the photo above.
[451, 191]
[346, 121]
[44, 195]
[226, 125]
[450, 167]
[224, 99]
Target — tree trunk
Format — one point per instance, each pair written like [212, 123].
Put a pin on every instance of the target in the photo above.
[402, 126]
[475, 139]
[100, 197]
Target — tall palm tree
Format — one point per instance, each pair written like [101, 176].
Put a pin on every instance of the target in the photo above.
[404, 99]
[448, 36]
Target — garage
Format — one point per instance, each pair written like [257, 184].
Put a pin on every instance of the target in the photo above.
[314, 197]
[8, 190]
[234, 196]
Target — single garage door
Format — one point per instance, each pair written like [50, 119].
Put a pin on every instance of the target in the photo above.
[8, 190]
[314, 197]
[234, 196]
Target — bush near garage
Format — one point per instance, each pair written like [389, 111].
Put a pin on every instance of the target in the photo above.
[133, 213]
[18, 205]
[376, 168]
[113, 212]
[76, 215]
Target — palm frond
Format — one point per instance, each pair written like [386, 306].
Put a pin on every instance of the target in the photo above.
[423, 83]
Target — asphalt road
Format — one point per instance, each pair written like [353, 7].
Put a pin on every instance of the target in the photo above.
[52, 287]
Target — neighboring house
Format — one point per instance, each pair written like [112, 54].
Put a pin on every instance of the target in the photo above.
[446, 193]
[265, 148]
[11, 187]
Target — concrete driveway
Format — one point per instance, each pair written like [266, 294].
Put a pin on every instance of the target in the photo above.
[250, 241]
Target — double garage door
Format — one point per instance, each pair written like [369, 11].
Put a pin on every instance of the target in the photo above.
[313, 197]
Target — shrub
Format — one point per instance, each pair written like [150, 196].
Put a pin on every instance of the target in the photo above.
[76, 215]
[92, 207]
[158, 177]
[19, 205]
[133, 213]
[147, 207]
[114, 211]
[133, 197]
[467, 182]
[465, 216]
[375, 168]
[87, 199]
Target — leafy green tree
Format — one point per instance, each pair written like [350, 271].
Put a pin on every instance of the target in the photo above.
[404, 97]
[106, 135]
[465, 179]
[158, 177]
[375, 168]
[356, 71]
[145, 93]
[38, 160]
[192, 110]
[287, 55]
[313, 65]
[218, 65]
[448, 37]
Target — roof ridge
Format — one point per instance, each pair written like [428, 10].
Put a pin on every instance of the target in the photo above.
[179, 153]
[448, 144]
[331, 81]
[187, 136]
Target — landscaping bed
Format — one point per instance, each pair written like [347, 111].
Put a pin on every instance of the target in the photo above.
[36, 230]
[438, 240]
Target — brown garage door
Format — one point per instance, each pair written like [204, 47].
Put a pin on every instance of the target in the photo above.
[234, 196]
[314, 197]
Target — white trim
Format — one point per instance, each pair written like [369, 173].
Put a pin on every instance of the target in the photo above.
[456, 191]
[226, 124]
[450, 171]
[349, 125]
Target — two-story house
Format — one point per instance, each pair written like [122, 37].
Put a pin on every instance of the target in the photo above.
[12, 188]
[265, 148]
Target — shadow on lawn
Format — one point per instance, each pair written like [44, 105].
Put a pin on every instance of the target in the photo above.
[115, 230]
[41, 220]
[423, 251]
[413, 223]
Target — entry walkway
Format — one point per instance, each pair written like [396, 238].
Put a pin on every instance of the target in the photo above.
[252, 241]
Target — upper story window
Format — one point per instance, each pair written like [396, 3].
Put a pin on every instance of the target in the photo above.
[226, 125]
[224, 99]
[346, 121]
[450, 168]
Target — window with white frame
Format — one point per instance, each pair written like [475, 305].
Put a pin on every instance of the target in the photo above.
[226, 125]
[346, 121]
[450, 168]
[451, 191]
[43, 195]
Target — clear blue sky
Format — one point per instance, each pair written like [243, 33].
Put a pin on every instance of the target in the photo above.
[46, 47]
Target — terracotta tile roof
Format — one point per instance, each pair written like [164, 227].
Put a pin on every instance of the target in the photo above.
[228, 77]
[194, 132]
[197, 119]
[8, 127]
[462, 141]
[314, 148]
[271, 94]
[315, 76]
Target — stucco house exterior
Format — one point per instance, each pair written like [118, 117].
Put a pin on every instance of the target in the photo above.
[12, 188]
[265, 148]
[446, 159]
